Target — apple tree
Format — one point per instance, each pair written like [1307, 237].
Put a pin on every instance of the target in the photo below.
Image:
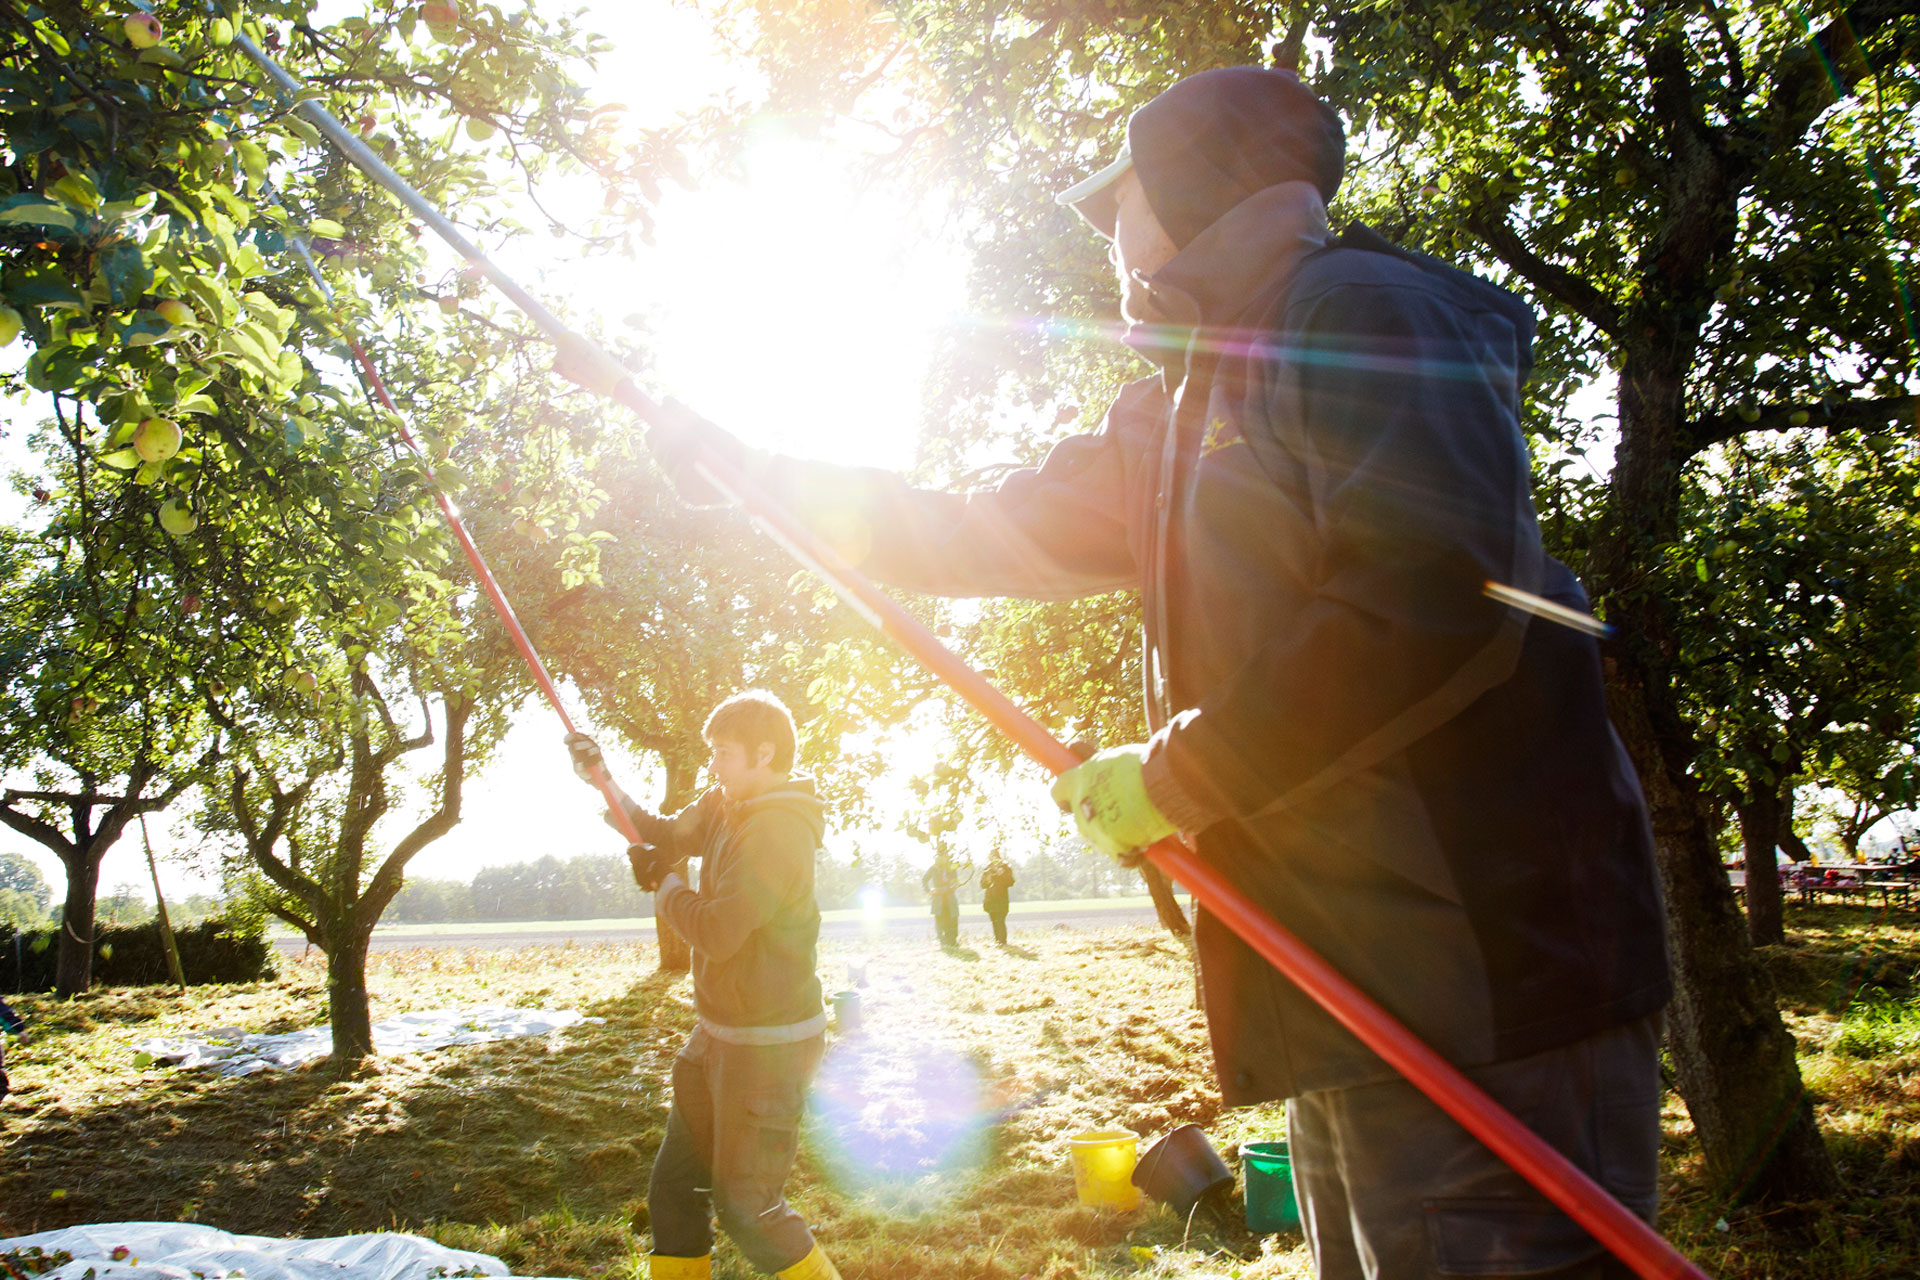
[220, 516]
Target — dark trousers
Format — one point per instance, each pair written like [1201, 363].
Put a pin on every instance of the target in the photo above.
[732, 1135]
[1391, 1188]
[999, 919]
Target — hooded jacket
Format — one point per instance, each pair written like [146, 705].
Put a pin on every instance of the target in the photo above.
[753, 924]
[1311, 495]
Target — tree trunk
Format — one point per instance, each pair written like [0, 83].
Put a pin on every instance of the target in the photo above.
[1733, 1057]
[1759, 834]
[676, 954]
[1165, 905]
[347, 1007]
[73, 969]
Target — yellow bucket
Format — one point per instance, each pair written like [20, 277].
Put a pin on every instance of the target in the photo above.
[1103, 1161]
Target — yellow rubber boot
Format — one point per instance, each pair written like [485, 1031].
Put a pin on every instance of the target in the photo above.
[662, 1267]
[815, 1266]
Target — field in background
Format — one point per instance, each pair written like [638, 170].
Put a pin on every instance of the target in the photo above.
[938, 1147]
[970, 912]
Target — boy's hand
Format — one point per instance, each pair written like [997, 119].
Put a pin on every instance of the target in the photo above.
[586, 756]
[650, 866]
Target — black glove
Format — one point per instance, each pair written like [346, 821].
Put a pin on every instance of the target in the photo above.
[677, 437]
[586, 756]
[650, 866]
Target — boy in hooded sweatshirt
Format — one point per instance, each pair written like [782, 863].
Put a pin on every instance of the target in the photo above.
[740, 1083]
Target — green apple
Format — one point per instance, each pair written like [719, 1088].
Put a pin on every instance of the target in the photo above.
[304, 683]
[479, 130]
[10, 323]
[443, 20]
[156, 440]
[143, 30]
[218, 688]
[177, 518]
[220, 33]
[175, 312]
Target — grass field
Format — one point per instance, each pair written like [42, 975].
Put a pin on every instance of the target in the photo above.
[939, 1143]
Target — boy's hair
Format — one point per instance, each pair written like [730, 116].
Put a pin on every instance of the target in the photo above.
[752, 718]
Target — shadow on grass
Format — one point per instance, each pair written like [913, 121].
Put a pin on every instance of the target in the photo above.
[476, 1134]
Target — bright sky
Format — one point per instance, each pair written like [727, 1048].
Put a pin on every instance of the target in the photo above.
[789, 307]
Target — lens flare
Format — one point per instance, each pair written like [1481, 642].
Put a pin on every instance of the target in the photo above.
[904, 1124]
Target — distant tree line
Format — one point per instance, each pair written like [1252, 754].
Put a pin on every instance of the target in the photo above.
[593, 886]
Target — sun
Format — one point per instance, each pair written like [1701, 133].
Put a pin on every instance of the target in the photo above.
[791, 305]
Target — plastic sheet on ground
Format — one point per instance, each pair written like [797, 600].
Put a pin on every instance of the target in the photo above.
[189, 1251]
[233, 1052]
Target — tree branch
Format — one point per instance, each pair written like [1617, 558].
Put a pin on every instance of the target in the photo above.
[1865, 415]
[1813, 75]
[1563, 286]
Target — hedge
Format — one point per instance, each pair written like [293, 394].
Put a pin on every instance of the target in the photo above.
[135, 956]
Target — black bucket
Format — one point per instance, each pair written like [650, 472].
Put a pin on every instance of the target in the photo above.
[1182, 1169]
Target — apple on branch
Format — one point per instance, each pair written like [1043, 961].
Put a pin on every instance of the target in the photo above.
[156, 440]
[443, 20]
[175, 312]
[10, 323]
[177, 518]
[143, 30]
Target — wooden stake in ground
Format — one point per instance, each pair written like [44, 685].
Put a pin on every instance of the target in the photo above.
[160, 901]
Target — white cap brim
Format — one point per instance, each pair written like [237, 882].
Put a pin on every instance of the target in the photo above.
[1094, 198]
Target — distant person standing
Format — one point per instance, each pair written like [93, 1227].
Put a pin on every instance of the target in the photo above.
[996, 880]
[942, 884]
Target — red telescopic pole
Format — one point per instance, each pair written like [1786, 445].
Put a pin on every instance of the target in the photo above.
[1587, 1203]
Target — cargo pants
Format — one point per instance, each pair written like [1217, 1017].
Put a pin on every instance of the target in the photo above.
[732, 1134]
[1392, 1188]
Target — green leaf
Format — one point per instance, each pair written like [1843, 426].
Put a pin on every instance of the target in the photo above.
[77, 189]
[327, 228]
[44, 287]
[127, 272]
[37, 211]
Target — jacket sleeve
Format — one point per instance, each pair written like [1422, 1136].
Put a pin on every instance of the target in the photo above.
[751, 887]
[1404, 410]
[1056, 532]
[680, 835]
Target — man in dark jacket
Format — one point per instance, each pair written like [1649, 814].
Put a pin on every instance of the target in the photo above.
[740, 1084]
[995, 881]
[1376, 702]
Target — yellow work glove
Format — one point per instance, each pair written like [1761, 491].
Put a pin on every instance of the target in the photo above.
[1108, 800]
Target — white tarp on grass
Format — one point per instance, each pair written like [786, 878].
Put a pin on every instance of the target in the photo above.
[233, 1052]
[186, 1251]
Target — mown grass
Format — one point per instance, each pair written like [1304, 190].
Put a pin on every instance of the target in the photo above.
[939, 1143]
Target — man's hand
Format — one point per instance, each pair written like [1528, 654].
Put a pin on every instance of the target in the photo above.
[1108, 801]
[650, 866]
[586, 756]
[677, 438]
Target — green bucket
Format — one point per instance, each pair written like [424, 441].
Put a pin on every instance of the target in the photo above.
[1270, 1203]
